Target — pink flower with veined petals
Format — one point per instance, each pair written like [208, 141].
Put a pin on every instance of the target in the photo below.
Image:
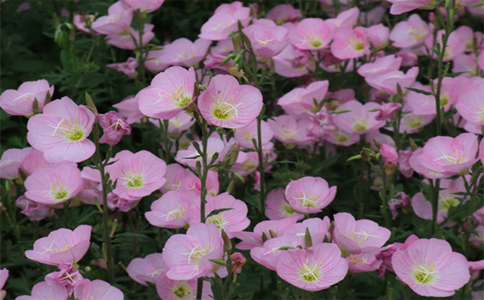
[61, 131]
[410, 33]
[359, 118]
[267, 41]
[309, 194]
[169, 289]
[355, 237]
[283, 13]
[387, 110]
[288, 130]
[380, 66]
[33, 210]
[317, 228]
[61, 246]
[268, 254]
[388, 81]
[148, 269]
[347, 18]
[67, 276]
[97, 289]
[224, 21]
[389, 154]
[20, 102]
[350, 43]
[232, 220]
[246, 134]
[269, 229]
[118, 19]
[44, 290]
[227, 104]
[175, 174]
[174, 210]
[292, 62]
[402, 6]
[54, 185]
[190, 156]
[114, 128]
[311, 34]
[183, 52]
[124, 39]
[378, 36]
[444, 156]
[3, 279]
[430, 268]
[144, 6]
[11, 161]
[470, 105]
[129, 109]
[313, 269]
[301, 100]
[188, 255]
[137, 174]
[277, 207]
[168, 94]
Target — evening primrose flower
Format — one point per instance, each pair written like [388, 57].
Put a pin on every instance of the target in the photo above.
[62, 246]
[313, 269]
[430, 268]
[309, 194]
[227, 104]
[61, 131]
[311, 34]
[54, 185]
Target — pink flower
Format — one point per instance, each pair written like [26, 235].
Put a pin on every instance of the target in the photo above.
[169, 289]
[471, 105]
[11, 161]
[190, 156]
[33, 210]
[301, 100]
[138, 174]
[227, 104]
[129, 109]
[321, 124]
[355, 237]
[246, 134]
[44, 290]
[396, 203]
[430, 268]
[277, 207]
[292, 62]
[124, 39]
[83, 23]
[288, 130]
[61, 246]
[350, 43]
[67, 276]
[174, 210]
[378, 35]
[267, 41]
[402, 6]
[347, 18]
[188, 255]
[97, 289]
[128, 67]
[54, 185]
[232, 220]
[283, 13]
[363, 262]
[380, 66]
[317, 228]
[410, 33]
[224, 21]
[114, 128]
[154, 63]
[144, 6]
[3, 279]
[20, 102]
[359, 118]
[387, 110]
[269, 229]
[61, 131]
[309, 194]
[168, 94]
[118, 19]
[388, 81]
[389, 154]
[268, 254]
[183, 52]
[455, 45]
[148, 269]
[311, 34]
[313, 269]
[444, 156]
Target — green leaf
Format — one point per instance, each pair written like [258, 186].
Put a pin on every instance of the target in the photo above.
[420, 91]
[217, 211]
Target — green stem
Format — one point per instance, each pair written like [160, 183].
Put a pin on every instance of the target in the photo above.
[435, 204]
[261, 167]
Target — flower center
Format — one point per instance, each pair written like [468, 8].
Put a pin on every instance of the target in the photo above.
[310, 272]
[288, 133]
[424, 274]
[197, 253]
[71, 131]
[218, 220]
[58, 191]
[224, 110]
[287, 210]
[133, 180]
[359, 237]
[306, 200]
[456, 158]
[315, 41]
[176, 213]
[447, 200]
[182, 290]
